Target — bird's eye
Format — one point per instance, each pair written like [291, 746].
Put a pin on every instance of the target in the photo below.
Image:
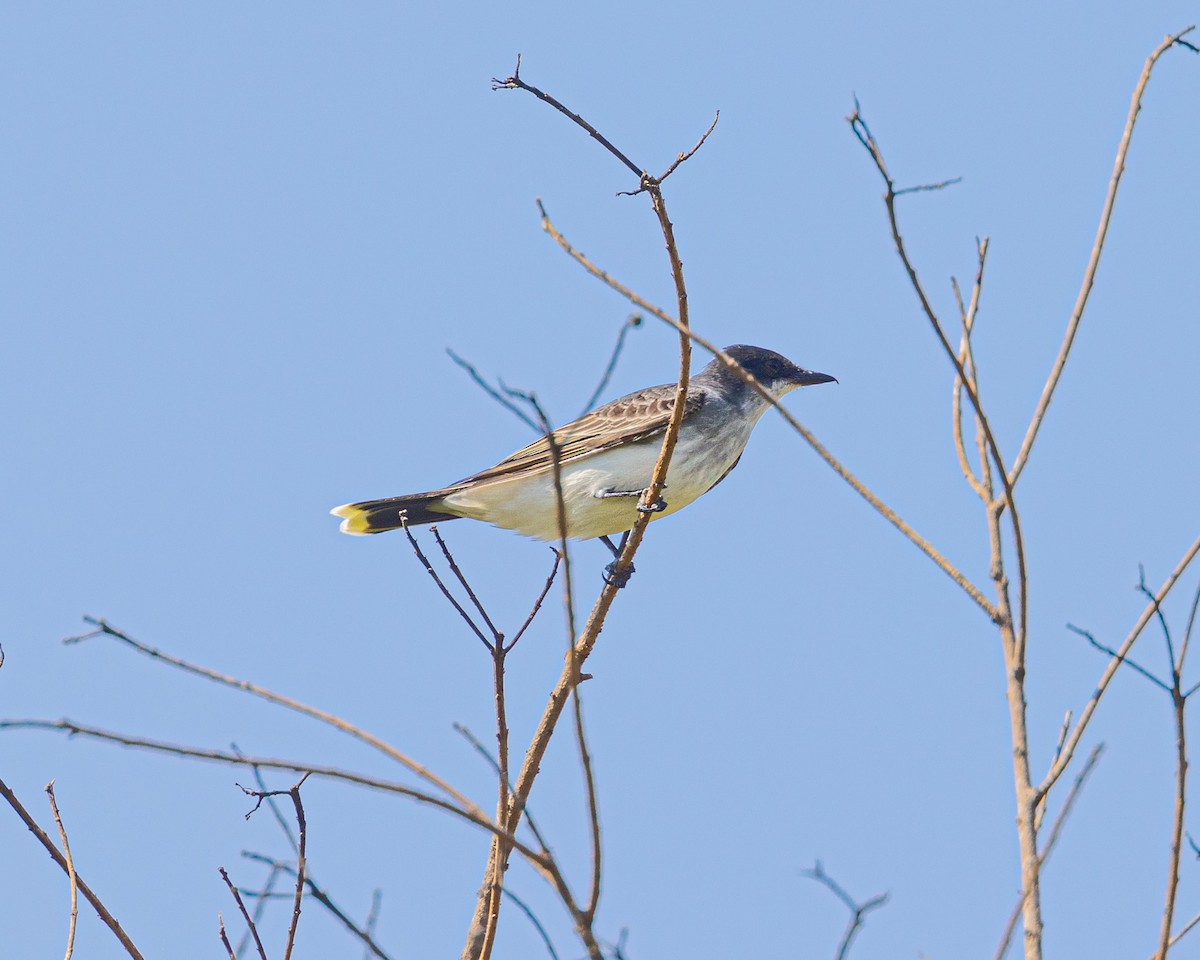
[772, 367]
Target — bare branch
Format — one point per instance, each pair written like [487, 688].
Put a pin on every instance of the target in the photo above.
[109, 920]
[1125, 660]
[858, 911]
[492, 391]
[1089, 274]
[66, 846]
[322, 897]
[632, 321]
[251, 926]
[537, 924]
[106, 629]
[1064, 759]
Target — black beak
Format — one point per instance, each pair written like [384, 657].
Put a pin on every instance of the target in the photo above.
[808, 378]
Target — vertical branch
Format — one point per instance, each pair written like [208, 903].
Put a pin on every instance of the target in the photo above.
[302, 829]
[62, 835]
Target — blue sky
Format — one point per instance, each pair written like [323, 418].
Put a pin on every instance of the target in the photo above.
[236, 245]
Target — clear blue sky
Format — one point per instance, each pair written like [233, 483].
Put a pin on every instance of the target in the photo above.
[237, 241]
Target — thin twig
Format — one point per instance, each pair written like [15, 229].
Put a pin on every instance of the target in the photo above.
[858, 911]
[492, 391]
[369, 926]
[224, 937]
[109, 920]
[474, 816]
[859, 126]
[528, 819]
[499, 637]
[537, 924]
[515, 82]
[260, 906]
[424, 561]
[634, 320]
[1128, 661]
[1064, 759]
[537, 604]
[323, 898]
[1089, 274]
[250, 924]
[103, 628]
[66, 846]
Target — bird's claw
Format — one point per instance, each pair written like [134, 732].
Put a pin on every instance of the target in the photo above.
[658, 506]
[617, 578]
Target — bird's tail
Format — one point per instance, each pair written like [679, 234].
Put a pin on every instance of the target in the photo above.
[376, 516]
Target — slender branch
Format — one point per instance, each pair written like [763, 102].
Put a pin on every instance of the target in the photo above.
[261, 897]
[1128, 661]
[537, 924]
[103, 628]
[632, 321]
[515, 82]
[1089, 274]
[859, 126]
[861, 489]
[323, 898]
[858, 911]
[424, 561]
[492, 391]
[528, 819]
[1064, 759]
[474, 815]
[109, 920]
[454, 568]
[251, 927]
[66, 846]
[225, 937]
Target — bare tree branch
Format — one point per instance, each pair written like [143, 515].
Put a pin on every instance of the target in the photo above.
[103, 628]
[858, 911]
[1089, 274]
[66, 846]
[97, 905]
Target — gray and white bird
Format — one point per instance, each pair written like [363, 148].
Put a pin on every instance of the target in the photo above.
[606, 459]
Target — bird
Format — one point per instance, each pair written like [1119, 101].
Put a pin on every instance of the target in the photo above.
[606, 459]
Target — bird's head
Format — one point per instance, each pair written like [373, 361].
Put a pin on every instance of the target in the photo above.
[774, 371]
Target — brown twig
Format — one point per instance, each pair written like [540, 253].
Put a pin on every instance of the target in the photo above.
[1089, 273]
[301, 846]
[858, 911]
[225, 938]
[474, 816]
[66, 846]
[861, 489]
[859, 126]
[260, 905]
[103, 628]
[586, 641]
[97, 905]
[251, 926]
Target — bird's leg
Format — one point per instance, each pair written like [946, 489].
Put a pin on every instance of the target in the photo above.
[612, 576]
[658, 506]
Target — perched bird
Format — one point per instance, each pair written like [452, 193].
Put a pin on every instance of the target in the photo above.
[606, 458]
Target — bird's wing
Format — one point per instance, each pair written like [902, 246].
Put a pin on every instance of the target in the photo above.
[633, 418]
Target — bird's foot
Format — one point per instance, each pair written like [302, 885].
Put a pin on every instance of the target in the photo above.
[617, 578]
[658, 506]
